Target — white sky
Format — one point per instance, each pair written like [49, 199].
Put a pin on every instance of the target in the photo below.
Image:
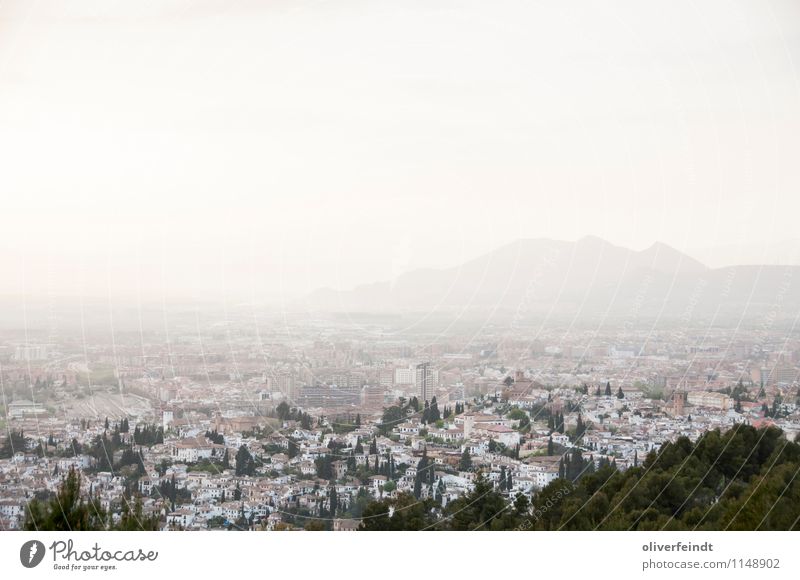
[202, 148]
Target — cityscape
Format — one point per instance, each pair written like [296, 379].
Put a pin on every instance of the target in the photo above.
[258, 420]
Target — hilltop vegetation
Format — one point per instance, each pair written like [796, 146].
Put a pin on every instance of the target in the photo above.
[743, 479]
[68, 511]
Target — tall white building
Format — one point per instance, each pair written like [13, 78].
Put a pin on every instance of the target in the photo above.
[426, 380]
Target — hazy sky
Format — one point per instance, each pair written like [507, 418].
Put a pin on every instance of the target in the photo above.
[194, 149]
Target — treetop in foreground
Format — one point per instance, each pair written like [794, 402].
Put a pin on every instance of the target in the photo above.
[742, 479]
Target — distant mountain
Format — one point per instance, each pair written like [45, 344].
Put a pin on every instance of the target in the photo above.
[589, 277]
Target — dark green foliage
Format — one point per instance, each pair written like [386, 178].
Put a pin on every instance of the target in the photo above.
[391, 417]
[743, 479]
[431, 412]
[740, 393]
[555, 422]
[333, 501]
[168, 490]
[482, 509]
[425, 474]
[324, 465]
[282, 410]
[148, 435]
[132, 519]
[292, 448]
[102, 450]
[466, 461]
[580, 428]
[69, 511]
[245, 464]
[407, 513]
[215, 437]
[131, 457]
[574, 466]
[13, 443]
[285, 413]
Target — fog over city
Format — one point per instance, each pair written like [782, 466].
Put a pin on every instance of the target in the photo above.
[261, 151]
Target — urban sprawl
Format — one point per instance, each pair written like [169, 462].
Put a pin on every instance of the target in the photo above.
[305, 427]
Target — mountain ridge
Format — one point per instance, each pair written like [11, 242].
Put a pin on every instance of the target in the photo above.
[590, 274]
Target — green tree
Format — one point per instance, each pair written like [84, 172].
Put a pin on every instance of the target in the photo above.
[67, 511]
[466, 461]
[245, 465]
[283, 410]
[333, 501]
[481, 509]
[400, 514]
[13, 443]
[132, 518]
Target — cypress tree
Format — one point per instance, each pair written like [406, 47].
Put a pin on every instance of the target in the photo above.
[466, 461]
[334, 501]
